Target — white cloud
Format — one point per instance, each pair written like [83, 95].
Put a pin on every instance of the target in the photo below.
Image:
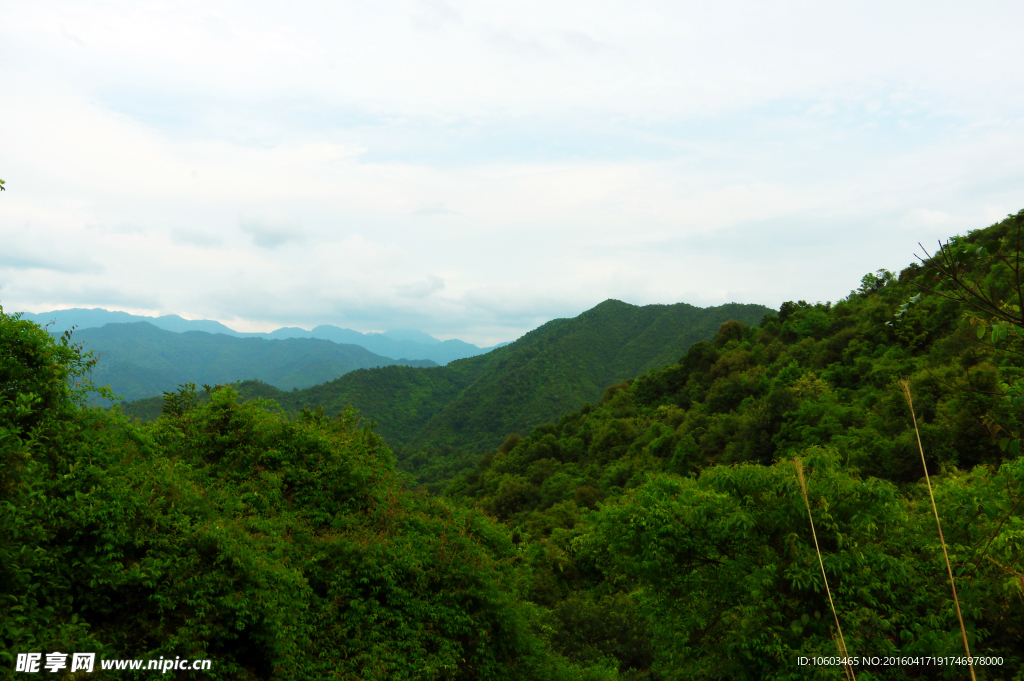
[271, 233]
[473, 171]
[422, 288]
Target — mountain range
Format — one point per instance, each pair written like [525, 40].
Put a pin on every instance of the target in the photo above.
[699, 520]
[138, 360]
[410, 344]
[473, 402]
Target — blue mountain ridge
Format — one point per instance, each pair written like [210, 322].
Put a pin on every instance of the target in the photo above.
[397, 343]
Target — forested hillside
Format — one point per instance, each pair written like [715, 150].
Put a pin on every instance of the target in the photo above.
[139, 360]
[661, 533]
[665, 525]
[274, 549]
[553, 369]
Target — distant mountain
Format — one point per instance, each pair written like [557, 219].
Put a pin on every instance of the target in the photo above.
[94, 317]
[475, 402]
[408, 343]
[139, 360]
[404, 343]
[411, 335]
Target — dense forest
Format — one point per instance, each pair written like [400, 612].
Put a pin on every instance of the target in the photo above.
[661, 532]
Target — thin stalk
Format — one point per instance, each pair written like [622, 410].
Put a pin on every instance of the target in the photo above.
[840, 642]
[905, 386]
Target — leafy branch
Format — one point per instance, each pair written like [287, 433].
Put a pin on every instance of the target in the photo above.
[956, 282]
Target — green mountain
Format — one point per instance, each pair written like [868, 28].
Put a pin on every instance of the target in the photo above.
[755, 508]
[224, 533]
[555, 368]
[139, 360]
[667, 527]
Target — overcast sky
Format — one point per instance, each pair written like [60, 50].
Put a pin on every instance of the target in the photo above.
[474, 169]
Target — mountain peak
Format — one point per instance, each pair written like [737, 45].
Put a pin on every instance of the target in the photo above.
[412, 335]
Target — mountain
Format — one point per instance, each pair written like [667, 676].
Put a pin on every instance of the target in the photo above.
[670, 525]
[408, 343]
[402, 343]
[474, 402]
[139, 360]
[744, 511]
[274, 549]
[83, 318]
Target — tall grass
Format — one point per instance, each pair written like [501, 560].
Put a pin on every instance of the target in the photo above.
[905, 387]
[840, 641]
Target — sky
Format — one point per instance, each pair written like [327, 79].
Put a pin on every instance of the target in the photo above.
[475, 169]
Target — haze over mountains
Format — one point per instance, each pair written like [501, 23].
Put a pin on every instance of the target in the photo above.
[475, 402]
[395, 344]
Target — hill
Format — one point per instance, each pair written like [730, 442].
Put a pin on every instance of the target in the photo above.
[408, 343]
[139, 360]
[666, 526]
[271, 549]
[720, 516]
[555, 368]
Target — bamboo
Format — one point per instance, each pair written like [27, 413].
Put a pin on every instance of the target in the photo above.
[840, 642]
[905, 386]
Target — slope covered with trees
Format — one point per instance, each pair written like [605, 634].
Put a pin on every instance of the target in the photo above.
[666, 527]
[661, 533]
[553, 369]
[274, 548]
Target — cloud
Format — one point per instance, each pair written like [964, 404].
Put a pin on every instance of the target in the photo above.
[71, 36]
[20, 262]
[432, 15]
[421, 289]
[269, 233]
[16, 257]
[184, 236]
[122, 228]
[504, 39]
[649, 152]
[43, 298]
[434, 209]
[583, 41]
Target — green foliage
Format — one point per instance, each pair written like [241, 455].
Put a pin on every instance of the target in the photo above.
[657, 532]
[276, 548]
[675, 491]
[728, 578]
